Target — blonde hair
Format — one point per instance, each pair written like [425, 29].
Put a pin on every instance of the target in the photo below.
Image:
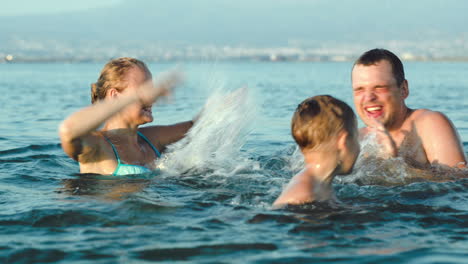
[319, 118]
[114, 75]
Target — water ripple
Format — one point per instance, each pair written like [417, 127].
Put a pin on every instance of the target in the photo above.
[211, 250]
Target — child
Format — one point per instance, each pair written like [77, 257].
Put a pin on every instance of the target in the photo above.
[325, 129]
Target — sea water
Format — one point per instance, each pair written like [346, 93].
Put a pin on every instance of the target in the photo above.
[210, 200]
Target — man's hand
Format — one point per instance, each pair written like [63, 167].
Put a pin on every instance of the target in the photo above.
[384, 138]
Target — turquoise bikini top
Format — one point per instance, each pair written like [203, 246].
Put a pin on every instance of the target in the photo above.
[126, 169]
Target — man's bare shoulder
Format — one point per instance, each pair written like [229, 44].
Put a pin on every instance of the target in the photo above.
[439, 137]
[429, 118]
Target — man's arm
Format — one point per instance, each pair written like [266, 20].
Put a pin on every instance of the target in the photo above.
[440, 139]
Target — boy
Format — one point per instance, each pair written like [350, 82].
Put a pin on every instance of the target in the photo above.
[325, 129]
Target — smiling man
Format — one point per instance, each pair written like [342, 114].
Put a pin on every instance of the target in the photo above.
[421, 136]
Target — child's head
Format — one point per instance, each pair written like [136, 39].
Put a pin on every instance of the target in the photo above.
[323, 123]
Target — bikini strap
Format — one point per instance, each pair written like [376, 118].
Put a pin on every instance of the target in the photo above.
[114, 149]
[149, 143]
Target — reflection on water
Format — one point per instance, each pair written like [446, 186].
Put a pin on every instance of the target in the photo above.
[104, 187]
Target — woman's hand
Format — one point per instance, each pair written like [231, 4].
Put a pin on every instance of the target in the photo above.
[165, 83]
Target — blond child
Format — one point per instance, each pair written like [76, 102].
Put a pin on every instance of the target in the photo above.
[325, 130]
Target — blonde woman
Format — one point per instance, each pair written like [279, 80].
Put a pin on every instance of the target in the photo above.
[121, 101]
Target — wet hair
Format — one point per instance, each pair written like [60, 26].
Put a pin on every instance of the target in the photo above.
[319, 118]
[114, 75]
[373, 56]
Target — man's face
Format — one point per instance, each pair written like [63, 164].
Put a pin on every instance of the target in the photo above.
[377, 95]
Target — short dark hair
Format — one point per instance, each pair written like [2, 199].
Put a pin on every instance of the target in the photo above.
[319, 118]
[373, 56]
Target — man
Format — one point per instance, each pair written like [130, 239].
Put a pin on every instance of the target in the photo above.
[421, 136]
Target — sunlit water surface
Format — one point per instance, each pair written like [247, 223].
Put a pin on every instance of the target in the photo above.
[211, 200]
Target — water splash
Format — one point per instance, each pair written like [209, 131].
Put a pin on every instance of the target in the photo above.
[372, 170]
[214, 143]
[296, 160]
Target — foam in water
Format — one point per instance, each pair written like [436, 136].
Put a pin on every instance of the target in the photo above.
[371, 170]
[214, 142]
[296, 160]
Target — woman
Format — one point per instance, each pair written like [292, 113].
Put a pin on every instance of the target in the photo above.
[121, 101]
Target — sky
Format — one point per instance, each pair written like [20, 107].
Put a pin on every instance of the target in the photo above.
[41, 24]
[29, 7]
